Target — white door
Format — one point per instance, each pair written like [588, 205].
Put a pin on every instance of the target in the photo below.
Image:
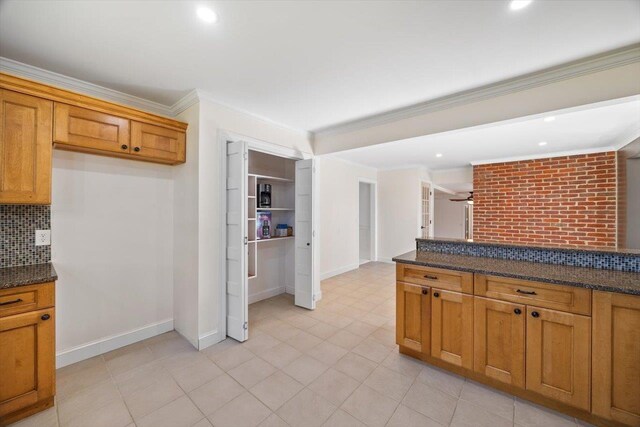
[305, 275]
[425, 220]
[237, 309]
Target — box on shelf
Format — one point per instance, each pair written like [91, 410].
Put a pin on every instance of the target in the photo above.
[263, 225]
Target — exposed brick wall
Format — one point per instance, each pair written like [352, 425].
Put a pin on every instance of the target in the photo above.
[558, 201]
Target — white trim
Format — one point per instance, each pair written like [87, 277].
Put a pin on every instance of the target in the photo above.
[346, 268]
[113, 342]
[627, 137]
[386, 260]
[444, 190]
[545, 155]
[185, 102]
[210, 338]
[592, 64]
[269, 293]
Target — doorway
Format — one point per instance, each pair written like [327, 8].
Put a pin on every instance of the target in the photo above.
[366, 221]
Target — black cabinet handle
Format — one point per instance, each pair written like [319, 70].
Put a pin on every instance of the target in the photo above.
[520, 291]
[425, 291]
[436, 294]
[428, 276]
[517, 311]
[15, 301]
[124, 146]
[535, 314]
[136, 149]
[45, 317]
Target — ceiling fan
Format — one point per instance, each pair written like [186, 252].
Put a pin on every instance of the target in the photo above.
[468, 199]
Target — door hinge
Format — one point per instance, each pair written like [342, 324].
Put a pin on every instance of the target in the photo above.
[245, 156]
[246, 240]
[245, 326]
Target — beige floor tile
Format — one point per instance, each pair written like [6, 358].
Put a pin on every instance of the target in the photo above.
[170, 347]
[345, 339]
[407, 417]
[442, 380]
[273, 421]
[231, 357]
[179, 413]
[341, 418]
[496, 402]
[306, 409]
[245, 410]
[372, 408]
[214, 394]
[529, 415]
[431, 402]
[326, 352]
[322, 330]
[339, 321]
[304, 341]
[141, 378]
[404, 364]
[182, 359]
[374, 319]
[128, 360]
[385, 336]
[261, 343]
[114, 414]
[284, 332]
[202, 423]
[79, 366]
[471, 415]
[301, 321]
[47, 418]
[372, 350]
[153, 397]
[90, 400]
[76, 381]
[252, 372]
[361, 328]
[193, 376]
[275, 390]
[220, 347]
[388, 382]
[334, 386]
[356, 366]
[305, 369]
[280, 355]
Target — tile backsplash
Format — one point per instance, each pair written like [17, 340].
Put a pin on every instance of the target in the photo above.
[18, 224]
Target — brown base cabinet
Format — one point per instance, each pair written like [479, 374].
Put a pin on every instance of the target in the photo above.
[535, 340]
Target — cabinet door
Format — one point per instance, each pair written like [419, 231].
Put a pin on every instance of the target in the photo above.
[452, 327]
[25, 149]
[91, 130]
[155, 142]
[27, 365]
[499, 334]
[413, 317]
[616, 357]
[559, 356]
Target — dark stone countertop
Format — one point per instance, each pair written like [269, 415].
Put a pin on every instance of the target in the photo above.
[11, 277]
[590, 278]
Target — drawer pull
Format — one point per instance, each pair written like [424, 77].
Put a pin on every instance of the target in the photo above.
[435, 294]
[535, 314]
[15, 301]
[517, 311]
[520, 291]
[428, 276]
[425, 291]
[124, 146]
[136, 149]
[45, 317]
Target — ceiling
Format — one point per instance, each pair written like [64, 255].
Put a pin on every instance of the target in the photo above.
[599, 127]
[308, 64]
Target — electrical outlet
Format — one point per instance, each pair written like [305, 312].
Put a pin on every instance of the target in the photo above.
[43, 237]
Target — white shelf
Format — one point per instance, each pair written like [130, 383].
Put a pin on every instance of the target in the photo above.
[271, 239]
[251, 219]
[271, 178]
[275, 209]
[251, 197]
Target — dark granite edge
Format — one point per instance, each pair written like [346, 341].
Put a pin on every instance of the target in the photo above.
[596, 250]
[575, 284]
[25, 275]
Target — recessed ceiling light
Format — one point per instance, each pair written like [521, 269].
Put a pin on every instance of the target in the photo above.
[542, 143]
[549, 119]
[207, 15]
[519, 4]
[439, 155]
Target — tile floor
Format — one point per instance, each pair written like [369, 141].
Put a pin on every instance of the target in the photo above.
[335, 366]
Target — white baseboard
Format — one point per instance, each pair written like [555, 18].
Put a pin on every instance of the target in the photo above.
[387, 260]
[211, 338]
[259, 296]
[328, 274]
[104, 345]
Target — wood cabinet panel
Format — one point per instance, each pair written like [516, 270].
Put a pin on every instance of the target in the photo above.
[457, 281]
[413, 317]
[25, 148]
[499, 340]
[559, 356]
[27, 366]
[616, 357]
[81, 127]
[558, 297]
[155, 142]
[452, 327]
[26, 298]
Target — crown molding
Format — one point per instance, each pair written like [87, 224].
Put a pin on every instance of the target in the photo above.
[592, 64]
[49, 77]
[545, 155]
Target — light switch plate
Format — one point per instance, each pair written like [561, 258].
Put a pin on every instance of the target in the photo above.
[43, 237]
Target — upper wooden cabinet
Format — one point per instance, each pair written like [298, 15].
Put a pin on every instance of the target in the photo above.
[25, 148]
[616, 357]
[81, 127]
[413, 317]
[155, 142]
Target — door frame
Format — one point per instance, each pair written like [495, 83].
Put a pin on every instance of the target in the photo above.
[254, 145]
[373, 255]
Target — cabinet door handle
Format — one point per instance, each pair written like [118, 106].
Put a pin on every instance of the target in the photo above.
[436, 294]
[535, 314]
[517, 311]
[428, 276]
[15, 301]
[520, 291]
[124, 146]
[425, 291]
[136, 149]
[45, 317]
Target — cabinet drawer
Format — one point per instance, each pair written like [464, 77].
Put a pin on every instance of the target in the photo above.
[26, 298]
[558, 297]
[449, 280]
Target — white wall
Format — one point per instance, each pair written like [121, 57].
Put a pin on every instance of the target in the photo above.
[399, 201]
[633, 203]
[112, 240]
[364, 225]
[338, 186]
[449, 217]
